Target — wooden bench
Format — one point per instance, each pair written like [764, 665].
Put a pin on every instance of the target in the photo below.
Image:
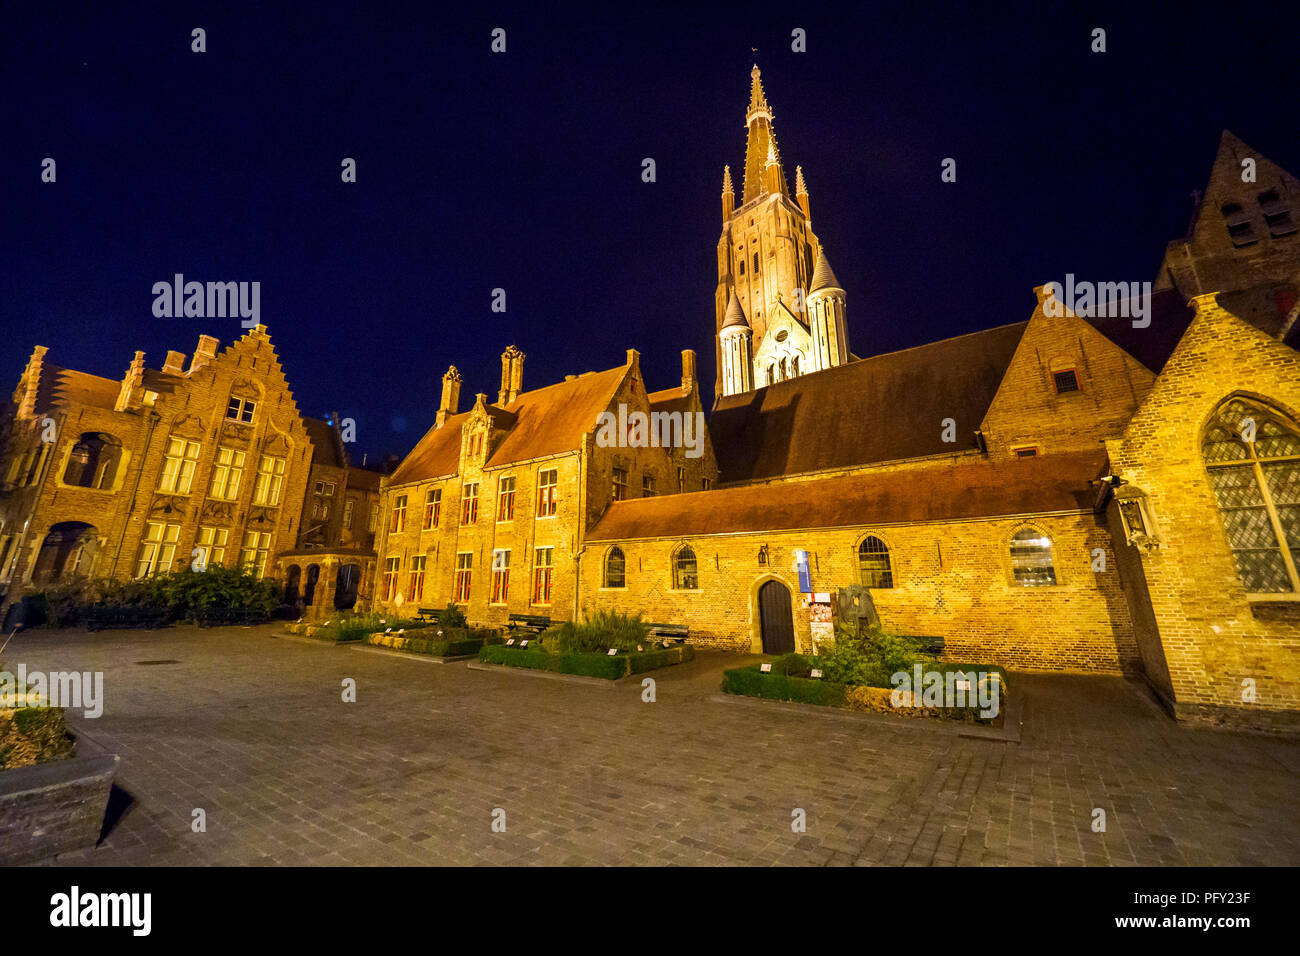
[529, 622]
[104, 617]
[428, 613]
[669, 632]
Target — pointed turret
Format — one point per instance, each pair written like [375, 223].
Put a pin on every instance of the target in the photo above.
[801, 191]
[735, 313]
[761, 142]
[735, 368]
[728, 195]
[772, 178]
[823, 277]
[826, 313]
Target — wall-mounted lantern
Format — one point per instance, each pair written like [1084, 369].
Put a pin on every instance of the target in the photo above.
[762, 556]
[1135, 515]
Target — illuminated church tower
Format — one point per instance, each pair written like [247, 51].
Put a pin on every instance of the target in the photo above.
[779, 308]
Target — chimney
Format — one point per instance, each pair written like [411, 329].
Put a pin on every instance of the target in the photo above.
[505, 378]
[516, 373]
[633, 357]
[688, 371]
[175, 363]
[205, 351]
[450, 404]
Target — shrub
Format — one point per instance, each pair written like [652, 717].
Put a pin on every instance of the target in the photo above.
[452, 616]
[601, 631]
[751, 682]
[31, 735]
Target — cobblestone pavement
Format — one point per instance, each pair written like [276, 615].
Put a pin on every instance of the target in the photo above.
[253, 730]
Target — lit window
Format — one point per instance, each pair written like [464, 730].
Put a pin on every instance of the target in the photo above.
[546, 482]
[620, 484]
[178, 467]
[647, 486]
[873, 564]
[705, 484]
[1252, 455]
[463, 563]
[543, 564]
[256, 549]
[227, 473]
[615, 569]
[270, 478]
[240, 410]
[685, 574]
[416, 591]
[325, 488]
[432, 507]
[212, 542]
[158, 548]
[391, 567]
[500, 576]
[1066, 381]
[1031, 558]
[506, 499]
[469, 503]
[397, 522]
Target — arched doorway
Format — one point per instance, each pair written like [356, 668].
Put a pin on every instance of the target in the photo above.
[292, 580]
[776, 620]
[68, 550]
[309, 591]
[345, 586]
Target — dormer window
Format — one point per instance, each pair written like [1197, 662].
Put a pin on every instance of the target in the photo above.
[1241, 229]
[1276, 214]
[241, 410]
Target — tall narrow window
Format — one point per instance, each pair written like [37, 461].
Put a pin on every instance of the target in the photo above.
[1031, 558]
[506, 499]
[546, 482]
[615, 569]
[391, 567]
[256, 549]
[469, 503]
[647, 486]
[432, 506]
[873, 564]
[416, 589]
[397, 522]
[178, 466]
[1252, 455]
[158, 548]
[685, 573]
[226, 474]
[619, 490]
[681, 479]
[212, 543]
[270, 478]
[349, 509]
[464, 562]
[543, 564]
[372, 519]
[500, 576]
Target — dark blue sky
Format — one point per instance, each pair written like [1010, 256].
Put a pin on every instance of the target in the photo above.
[522, 171]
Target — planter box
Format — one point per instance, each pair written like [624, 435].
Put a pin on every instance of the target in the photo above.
[55, 807]
[603, 666]
[432, 645]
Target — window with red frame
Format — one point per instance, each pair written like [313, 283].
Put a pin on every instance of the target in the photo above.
[432, 506]
[469, 503]
[506, 499]
[463, 563]
[546, 482]
[398, 520]
[500, 576]
[542, 567]
[416, 590]
[391, 567]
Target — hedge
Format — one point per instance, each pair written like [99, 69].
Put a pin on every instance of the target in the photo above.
[751, 682]
[605, 666]
[455, 642]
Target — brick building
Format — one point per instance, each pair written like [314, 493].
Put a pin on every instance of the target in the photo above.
[210, 463]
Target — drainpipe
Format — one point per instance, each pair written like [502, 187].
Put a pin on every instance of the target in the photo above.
[154, 419]
[583, 457]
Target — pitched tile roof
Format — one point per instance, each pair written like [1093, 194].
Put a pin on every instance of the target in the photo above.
[60, 386]
[945, 490]
[547, 421]
[883, 408]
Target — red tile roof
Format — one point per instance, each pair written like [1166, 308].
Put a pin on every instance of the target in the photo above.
[946, 490]
[884, 408]
[547, 421]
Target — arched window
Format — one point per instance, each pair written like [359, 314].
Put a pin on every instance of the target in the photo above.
[795, 366]
[1031, 558]
[93, 462]
[1252, 455]
[615, 569]
[771, 374]
[685, 573]
[873, 564]
[784, 374]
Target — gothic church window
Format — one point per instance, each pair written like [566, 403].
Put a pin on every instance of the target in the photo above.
[1252, 456]
[685, 572]
[873, 564]
[1031, 558]
[615, 569]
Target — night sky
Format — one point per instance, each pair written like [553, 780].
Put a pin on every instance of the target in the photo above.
[523, 171]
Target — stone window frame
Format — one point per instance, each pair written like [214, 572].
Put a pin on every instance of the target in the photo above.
[676, 570]
[1008, 562]
[604, 569]
[890, 553]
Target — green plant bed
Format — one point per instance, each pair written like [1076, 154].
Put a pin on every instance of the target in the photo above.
[444, 642]
[585, 664]
[32, 735]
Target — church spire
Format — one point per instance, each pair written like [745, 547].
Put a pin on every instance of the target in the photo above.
[728, 195]
[761, 142]
[801, 191]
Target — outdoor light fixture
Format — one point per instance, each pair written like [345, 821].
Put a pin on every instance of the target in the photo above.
[1135, 514]
[762, 556]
